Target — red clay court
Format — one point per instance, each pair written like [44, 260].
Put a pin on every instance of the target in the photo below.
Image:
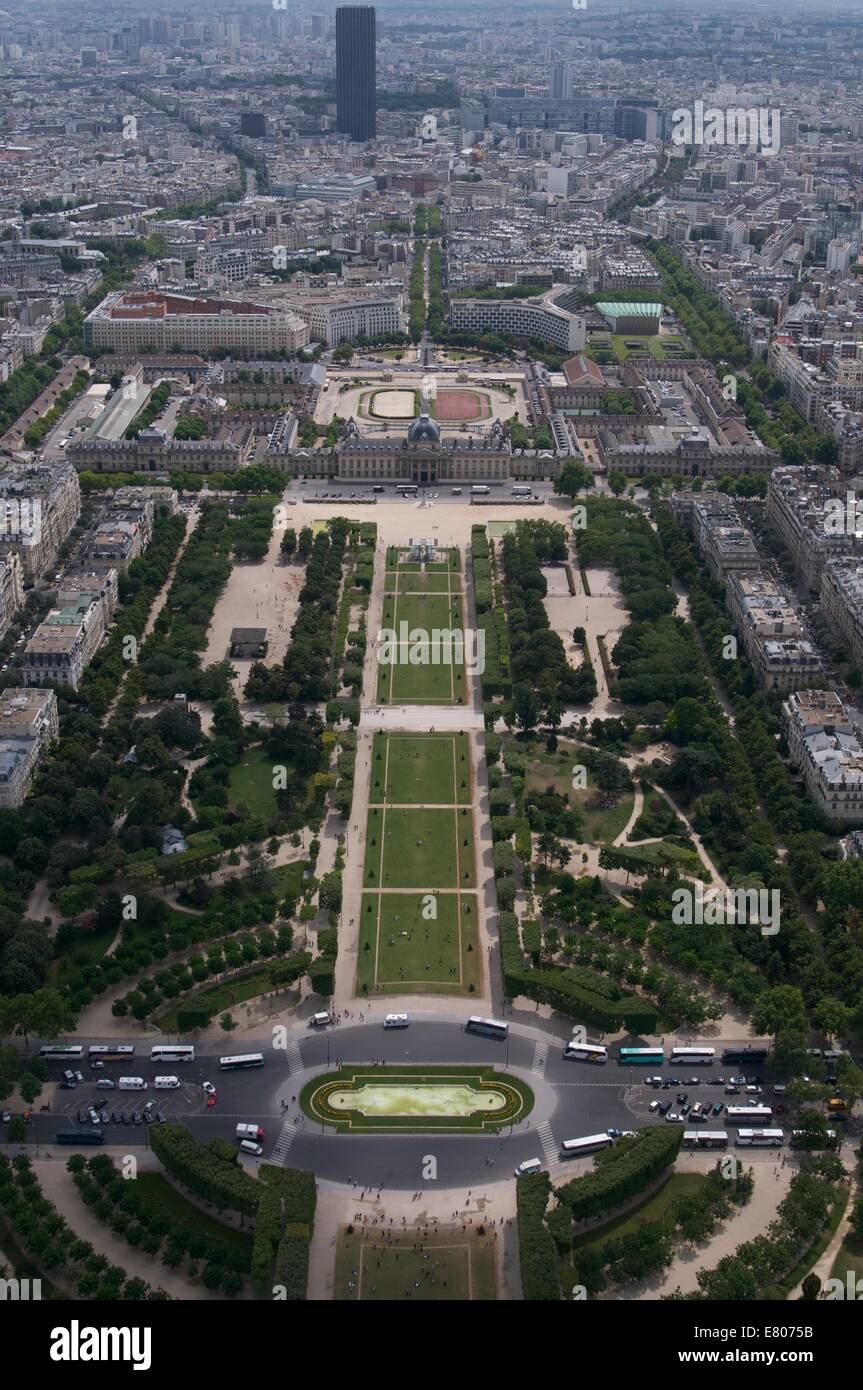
[455, 406]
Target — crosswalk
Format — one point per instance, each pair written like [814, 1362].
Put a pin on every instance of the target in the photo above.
[294, 1056]
[282, 1146]
[539, 1056]
[549, 1147]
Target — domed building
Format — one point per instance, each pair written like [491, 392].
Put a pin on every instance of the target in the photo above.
[421, 455]
[424, 430]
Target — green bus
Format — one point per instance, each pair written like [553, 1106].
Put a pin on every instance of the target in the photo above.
[640, 1057]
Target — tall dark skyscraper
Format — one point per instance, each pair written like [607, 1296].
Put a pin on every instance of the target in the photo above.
[355, 71]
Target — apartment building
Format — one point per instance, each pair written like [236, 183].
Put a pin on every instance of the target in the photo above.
[68, 638]
[824, 743]
[842, 603]
[814, 512]
[11, 590]
[771, 631]
[29, 724]
[153, 321]
[722, 540]
[520, 318]
[39, 505]
[153, 452]
[338, 319]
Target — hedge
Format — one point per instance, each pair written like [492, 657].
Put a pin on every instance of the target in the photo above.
[581, 993]
[536, 1249]
[203, 1171]
[623, 1172]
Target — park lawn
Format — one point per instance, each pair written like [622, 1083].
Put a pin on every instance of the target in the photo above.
[224, 995]
[422, 769]
[663, 852]
[419, 849]
[460, 1268]
[251, 781]
[600, 825]
[425, 583]
[656, 1207]
[78, 955]
[388, 962]
[185, 1213]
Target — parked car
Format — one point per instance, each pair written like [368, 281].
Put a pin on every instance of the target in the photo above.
[136, 1118]
[208, 1087]
[693, 1081]
[6, 1117]
[614, 1133]
[718, 1108]
[685, 1108]
[673, 1118]
[779, 1090]
[665, 1107]
[732, 1090]
[654, 1105]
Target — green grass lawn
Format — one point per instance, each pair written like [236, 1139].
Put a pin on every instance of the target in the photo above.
[428, 583]
[223, 995]
[251, 781]
[663, 852]
[424, 598]
[412, 943]
[453, 1266]
[601, 825]
[657, 1207]
[421, 769]
[419, 849]
[185, 1213]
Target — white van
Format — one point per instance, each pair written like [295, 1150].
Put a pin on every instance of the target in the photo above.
[166, 1083]
[249, 1147]
[253, 1132]
[396, 1021]
[319, 1020]
[530, 1165]
[104, 1084]
[131, 1083]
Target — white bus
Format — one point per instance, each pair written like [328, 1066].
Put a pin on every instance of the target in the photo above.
[62, 1051]
[488, 1027]
[480, 490]
[182, 1053]
[705, 1139]
[585, 1052]
[519, 490]
[406, 489]
[694, 1056]
[166, 1083]
[749, 1114]
[574, 1148]
[760, 1138]
[110, 1052]
[239, 1063]
[131, 1083]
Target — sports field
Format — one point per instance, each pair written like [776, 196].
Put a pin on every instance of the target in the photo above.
[453, 405]
[421, 653]
[447, 1266]
[418, 924]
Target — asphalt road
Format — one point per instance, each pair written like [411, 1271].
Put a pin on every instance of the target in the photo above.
[571, 1100]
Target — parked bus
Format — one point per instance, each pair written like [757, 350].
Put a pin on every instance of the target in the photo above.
[705, 1139]
[182, 1053]
[64, 1052]
[585, 1052]
[574, 1148]
[488, 1027]
[131, 1083]
[166, 1083]
[239, 1063]
[640, 1057]
[693, 1056]
[519, 490]
[744, 1054]
[79, 1136]
[745, 1114]
[406, 489]
[110, 1052]
[760, 1138]
[480, 490]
